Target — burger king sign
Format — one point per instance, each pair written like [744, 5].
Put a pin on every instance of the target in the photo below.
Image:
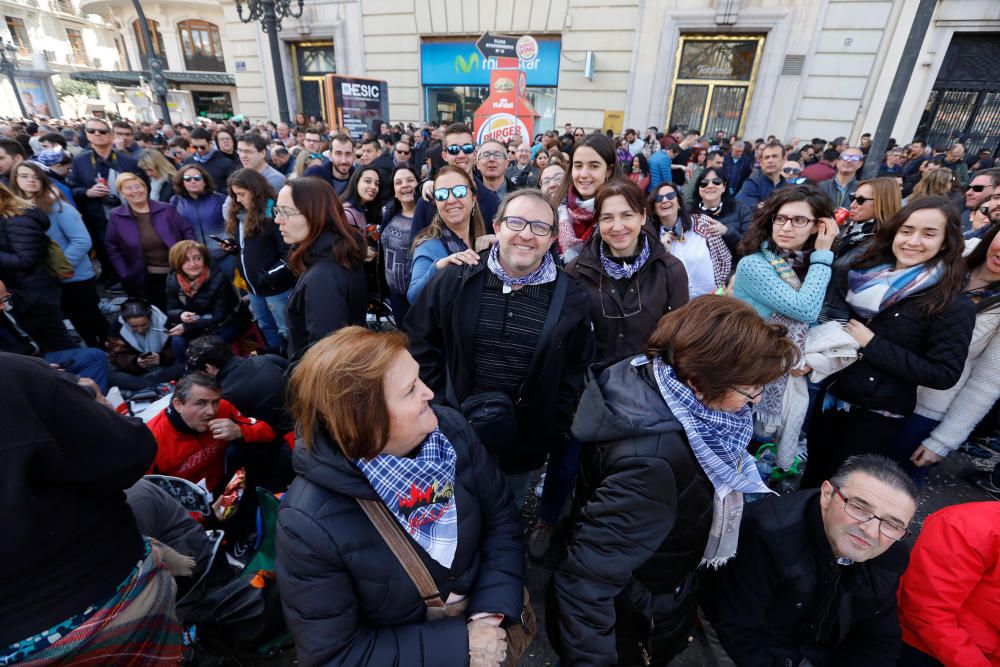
[502, 127]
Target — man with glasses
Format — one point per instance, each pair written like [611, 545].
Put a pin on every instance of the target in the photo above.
[762, 183]
[92, 179]
[492, 163]
[814, 580]
[982, 186]
[513, 323]
[401, 153]
[459, 150]
[208, 156]
[840, 187]
[522, 173]
[251, 149]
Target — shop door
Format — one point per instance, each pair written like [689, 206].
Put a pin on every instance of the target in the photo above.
[713, 81]
[965, 102]
[312, 61]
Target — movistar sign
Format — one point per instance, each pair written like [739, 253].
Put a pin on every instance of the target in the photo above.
[460, 63]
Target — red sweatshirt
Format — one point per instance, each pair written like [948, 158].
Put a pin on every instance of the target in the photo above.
[194, 456]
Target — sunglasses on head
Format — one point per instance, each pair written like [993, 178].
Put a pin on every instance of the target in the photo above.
[455, 149]
[96, 130]
[193, 177]
[669, 196]
[710, 181]
[458, 191]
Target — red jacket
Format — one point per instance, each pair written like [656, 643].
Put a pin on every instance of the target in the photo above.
[949, 597]
[195, 456]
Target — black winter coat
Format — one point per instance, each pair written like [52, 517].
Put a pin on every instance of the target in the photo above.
[346, 598]
[217, 298]
[783, 598]
[639, 527]
[442, 329]
[909, 350]
[325, 298]
[24, 246]
[83, 175]
[257, 386]
[659, 287]
[259, 255]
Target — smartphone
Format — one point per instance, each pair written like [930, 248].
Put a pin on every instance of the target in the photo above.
[219, 239]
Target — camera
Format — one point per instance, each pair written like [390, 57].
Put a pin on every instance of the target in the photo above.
[112, 201]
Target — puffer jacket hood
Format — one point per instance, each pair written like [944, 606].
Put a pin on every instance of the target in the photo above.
[614, 406]
[326, 466]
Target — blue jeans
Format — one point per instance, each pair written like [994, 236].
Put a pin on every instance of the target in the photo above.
[88, 362]
[916, 428]
[269, 311]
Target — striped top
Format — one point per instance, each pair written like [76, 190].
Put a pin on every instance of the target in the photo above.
[506, 335]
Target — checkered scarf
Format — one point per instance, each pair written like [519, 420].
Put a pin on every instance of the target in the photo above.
[545, 273]
[420, 493]
[624, 271]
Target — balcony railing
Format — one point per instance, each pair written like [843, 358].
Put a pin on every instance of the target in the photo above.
[203, 63]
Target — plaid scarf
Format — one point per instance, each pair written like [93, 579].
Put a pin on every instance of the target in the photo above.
[624, 270]
[718, 440]
[873, 290]
[722, 258]
[545, 273]
[420, 493]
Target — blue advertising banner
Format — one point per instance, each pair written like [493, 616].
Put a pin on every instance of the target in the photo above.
[461, 64]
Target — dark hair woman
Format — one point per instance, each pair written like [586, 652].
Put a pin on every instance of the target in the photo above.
[664, 471]
[261, 253]
[225, 141]
[347, 601]
[712, 198]
[903, 303]
[394, 236]
[693, 238]
[195, 198]
[638, 171]
[592, 163]
[326, 257]
[79, 300]
[140, 353]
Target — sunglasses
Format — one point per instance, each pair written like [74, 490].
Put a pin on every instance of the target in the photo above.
[455, 149]
[458, 191]
[200, 148]
[852, 158]
[669, 196]
[859, 200]
[707, 182]
[791, 170]
[94, 130]
[399, 152]
[315, 156]
[196, 178]
[978, 188]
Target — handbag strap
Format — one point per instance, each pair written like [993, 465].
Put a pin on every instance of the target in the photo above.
[387, 526]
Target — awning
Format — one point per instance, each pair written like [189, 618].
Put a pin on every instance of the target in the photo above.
[131, 78]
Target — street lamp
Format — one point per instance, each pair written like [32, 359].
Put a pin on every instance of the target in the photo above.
[8, 65]
[270, 14]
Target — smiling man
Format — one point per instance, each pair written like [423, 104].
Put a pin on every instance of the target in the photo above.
[814, 580]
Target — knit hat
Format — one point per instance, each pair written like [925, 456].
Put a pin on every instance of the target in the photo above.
[49, 157]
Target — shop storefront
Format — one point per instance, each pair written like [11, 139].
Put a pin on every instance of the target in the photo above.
[456, 80]
[713, 82]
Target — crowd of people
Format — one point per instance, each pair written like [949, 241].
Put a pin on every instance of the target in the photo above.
[734, 362]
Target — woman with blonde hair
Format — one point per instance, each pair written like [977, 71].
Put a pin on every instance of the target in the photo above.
[161, 174]
[934, 183]
[872, 203]
[451, 236]
[401, 469]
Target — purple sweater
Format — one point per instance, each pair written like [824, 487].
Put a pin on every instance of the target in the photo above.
[122, 236]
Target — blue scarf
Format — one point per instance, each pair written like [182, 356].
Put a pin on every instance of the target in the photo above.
[420, 493]
[545, 273]
[624, 271]
[873, 290]
[202, 159]
[718, 439]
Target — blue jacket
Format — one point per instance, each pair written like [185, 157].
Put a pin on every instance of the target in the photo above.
[659, 170]
[737, 171]
[67, 229]
[205, 216]
[759, 285]
[347, 600]
[756, 189]
[424, 213]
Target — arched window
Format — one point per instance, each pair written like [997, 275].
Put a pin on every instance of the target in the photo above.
[155, 36]
[202, 46]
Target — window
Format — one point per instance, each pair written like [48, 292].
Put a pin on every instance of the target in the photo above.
[76, 45]
[123, 62]
[202, 46]
[64, 6]
[19, 35]
[157, 39]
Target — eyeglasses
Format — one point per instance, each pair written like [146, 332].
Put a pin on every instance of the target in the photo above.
[709, 181]
[538, 228]
[558, 178]
[791, 170]
[669, 196]
[95, 130]
[859, 200]
[860, 513]
[604, 311]
[846, 157]
[796, 220]
[455, 149]
[492, 155]
[753, 396]
[203, 147]
[194, 177]
[978, 188]
[458, 191]
[285, 211]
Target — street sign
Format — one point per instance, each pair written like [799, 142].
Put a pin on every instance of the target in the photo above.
[497, 46]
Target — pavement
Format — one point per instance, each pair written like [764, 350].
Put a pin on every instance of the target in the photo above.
[949, 483]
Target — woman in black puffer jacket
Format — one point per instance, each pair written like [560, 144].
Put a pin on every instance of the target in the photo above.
[347, 600]
[653, 477]
[24, 247]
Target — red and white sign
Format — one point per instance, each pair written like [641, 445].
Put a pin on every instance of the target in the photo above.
[506, 113]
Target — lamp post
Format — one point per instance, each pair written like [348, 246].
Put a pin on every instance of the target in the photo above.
[270, 14]
[157, 80]
[8, 65]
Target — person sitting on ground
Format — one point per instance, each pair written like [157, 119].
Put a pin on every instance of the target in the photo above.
[139, 349]
[814, 580]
